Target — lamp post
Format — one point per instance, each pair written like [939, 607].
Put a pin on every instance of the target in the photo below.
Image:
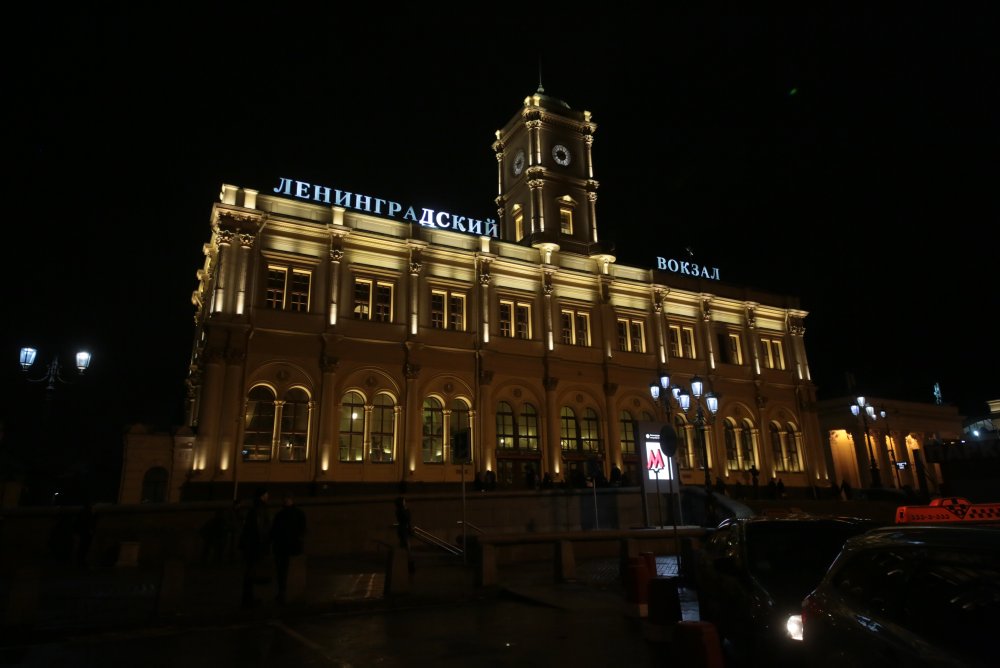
[862, 408]
[702, 402]
[890, 447]
[53, 372]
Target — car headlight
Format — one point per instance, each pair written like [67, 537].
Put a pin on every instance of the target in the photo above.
[794, 627]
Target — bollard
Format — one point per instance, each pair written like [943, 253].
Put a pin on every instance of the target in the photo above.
[650, 559]
[664, 601]
[171, 589]
[637, 586]
[397, 575]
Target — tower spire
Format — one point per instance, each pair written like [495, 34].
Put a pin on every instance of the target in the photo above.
[541, 89]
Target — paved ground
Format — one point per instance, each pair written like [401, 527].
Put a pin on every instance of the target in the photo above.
[343, 618]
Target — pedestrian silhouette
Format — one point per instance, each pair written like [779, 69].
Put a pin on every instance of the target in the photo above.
[404, 522]
[288, 533]
[254, 542]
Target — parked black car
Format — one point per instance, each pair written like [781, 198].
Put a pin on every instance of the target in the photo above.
[908, 595]
[753, 573]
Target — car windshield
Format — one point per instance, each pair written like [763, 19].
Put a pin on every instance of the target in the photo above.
[790, 558]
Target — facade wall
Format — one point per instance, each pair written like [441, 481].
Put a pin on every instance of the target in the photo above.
[899, 437]
[538, 319]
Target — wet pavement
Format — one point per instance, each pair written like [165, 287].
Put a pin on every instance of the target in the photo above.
[128, 616]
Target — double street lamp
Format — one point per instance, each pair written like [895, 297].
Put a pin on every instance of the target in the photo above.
[866, 411]
[702, 402]
[53, 372]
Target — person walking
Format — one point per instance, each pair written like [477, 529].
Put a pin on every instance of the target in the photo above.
[254, 541]
[288, 532]
[404, 522]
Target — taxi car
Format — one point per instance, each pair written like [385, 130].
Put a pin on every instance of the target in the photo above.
[908, 595]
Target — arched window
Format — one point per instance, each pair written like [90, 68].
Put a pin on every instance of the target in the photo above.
[505, 426]
[383, 436]
[458, 423]
[154, 485]
[792, 449]
[527, 428]
[567, 429]
[626, 428]
[747, 456]
[432, 444]
[352, 427]
[784, 448]
[732, 451]
[258, 429]
[590, 433]
[294, 436]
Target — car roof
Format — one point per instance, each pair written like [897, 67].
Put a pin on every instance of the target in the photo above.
[984, 536]
[795, 518]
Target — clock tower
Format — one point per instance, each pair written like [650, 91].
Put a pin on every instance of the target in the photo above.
[547, 190]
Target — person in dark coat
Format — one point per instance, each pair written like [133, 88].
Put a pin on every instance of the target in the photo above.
[254, 542]
[288, 533]
[404, 522]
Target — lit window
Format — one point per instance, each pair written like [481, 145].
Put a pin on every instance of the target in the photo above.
[575, 327]
[682, 342]
[258, 429]
[298, 297]
[785, 448]
[566, 219]
[383, 433]
[352, 427]
[772, 353]
[432, 444]
[282, 293]
[276, 277]
[626, 427]
[372, 300]
[447, 310]
[294, 435]
[567, 429]
[630, 336]
[590, 432]
[459, 426]
[518, 222]
[515, 319]
[505, 426]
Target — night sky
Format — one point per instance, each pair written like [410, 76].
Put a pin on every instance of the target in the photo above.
[848, 159]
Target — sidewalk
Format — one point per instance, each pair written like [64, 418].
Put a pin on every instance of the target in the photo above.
[69, 601]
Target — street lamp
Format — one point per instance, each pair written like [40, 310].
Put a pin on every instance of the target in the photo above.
[862, 408]
[54, 371]
[890, 446]
[683, 399]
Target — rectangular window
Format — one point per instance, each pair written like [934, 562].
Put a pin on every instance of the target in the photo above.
[566, 219]
[730, 349]
[675, 341]
[276, 277]
[630, 336]
[515, 319]
[447, 310]
[518, 225]
[372, 300]
[283, 293]
[575, 327]
[298, 297]
[772, 353]
[682, 342]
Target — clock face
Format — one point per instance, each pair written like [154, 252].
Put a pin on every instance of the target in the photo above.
[561, 154]
[519, 163]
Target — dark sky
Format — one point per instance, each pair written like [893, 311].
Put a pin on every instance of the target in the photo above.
[845, 158]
